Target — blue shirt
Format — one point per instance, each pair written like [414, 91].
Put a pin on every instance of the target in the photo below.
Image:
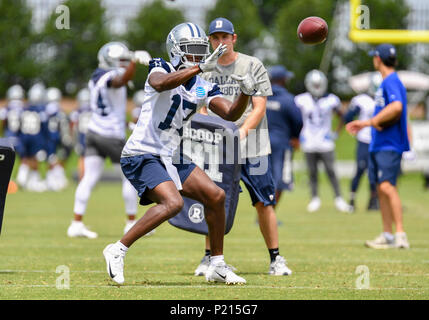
[394, 137]
[284, 117]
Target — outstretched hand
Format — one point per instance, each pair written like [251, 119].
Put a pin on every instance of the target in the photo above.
[249, 85]
[210, 63]
[142, 57]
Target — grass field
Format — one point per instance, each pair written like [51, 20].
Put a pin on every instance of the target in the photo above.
[323, 249]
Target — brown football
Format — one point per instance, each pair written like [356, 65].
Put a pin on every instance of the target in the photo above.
[312, 30]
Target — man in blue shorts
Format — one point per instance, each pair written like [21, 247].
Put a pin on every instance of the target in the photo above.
[174, 92]
[284, 126]
[389, 139]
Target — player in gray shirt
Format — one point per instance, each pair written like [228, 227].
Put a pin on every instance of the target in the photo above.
[256, 171]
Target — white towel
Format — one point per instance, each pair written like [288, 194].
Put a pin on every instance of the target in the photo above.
[172, 171]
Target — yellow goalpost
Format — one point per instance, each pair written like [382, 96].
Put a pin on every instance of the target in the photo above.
[357, 34]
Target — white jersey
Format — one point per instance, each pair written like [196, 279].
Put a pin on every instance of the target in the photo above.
[108, 104]
[364, 105]
[316, 134]
[163, 114]
[258, 142]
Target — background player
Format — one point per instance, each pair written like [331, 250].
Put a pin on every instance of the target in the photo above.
[33, 137]
[106, 129]
[11, 113]
[363, 106]
[255, 142]
[174, 93]
[389, 140]
[284, 125]
[317, 139]
[55, 176]
[79, 119]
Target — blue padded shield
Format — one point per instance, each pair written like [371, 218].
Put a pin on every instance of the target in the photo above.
[214, 145]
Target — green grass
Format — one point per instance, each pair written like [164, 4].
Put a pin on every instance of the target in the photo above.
[323, 249]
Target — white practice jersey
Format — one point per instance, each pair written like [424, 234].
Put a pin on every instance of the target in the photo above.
[316, 134]
[163, 114]
[108, 104]
[258, 142]
[364, 105]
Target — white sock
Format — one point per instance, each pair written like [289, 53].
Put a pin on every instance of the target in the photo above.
[389, 237]
[121, 246]
[214, 260]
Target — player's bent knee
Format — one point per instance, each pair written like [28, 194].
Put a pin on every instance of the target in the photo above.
[174, 206]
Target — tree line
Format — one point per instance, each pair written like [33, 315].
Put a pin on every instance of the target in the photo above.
[266, 28]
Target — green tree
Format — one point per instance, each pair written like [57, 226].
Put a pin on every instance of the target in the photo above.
[296, 56]
[71, 54]
[149, 30]
[245, 18]
[268, 10]
[342, 57]
[16, 36]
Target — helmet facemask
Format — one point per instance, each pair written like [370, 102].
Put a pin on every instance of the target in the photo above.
[185, 49]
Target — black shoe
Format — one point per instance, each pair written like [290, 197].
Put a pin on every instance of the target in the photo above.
[373, 204]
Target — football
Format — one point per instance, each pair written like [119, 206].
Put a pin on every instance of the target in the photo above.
[312, 30]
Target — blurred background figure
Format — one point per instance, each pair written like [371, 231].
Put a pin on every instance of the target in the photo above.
[79, 119]
[33, 134]
[284, 125]
[363, 106]
[56, 179]
[11, 113]
[317, 139]
[106, 133]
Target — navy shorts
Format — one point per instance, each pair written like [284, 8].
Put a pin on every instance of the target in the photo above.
[257, 175]
[384, 166]
[281, 161]
[30, 145]
[147, 171]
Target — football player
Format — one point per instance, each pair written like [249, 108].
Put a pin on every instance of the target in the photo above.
[79, 119]
[256, 170]
[284, 125]
[55, 176]
[33, 135]
[317, 139]
[363, 106]
[106, 129]
[174, 92]
[10, 114]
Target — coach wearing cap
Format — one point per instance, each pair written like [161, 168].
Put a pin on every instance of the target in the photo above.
[389, 141]
[284, 126]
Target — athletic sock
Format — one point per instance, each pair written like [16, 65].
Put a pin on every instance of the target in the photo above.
[273, 253]
[121, 246]
[352, 195]
[389, 237]
[214, 260]
[207, 253]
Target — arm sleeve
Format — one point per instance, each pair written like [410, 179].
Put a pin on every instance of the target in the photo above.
[260, 73]
[392, 92]
[212, 93]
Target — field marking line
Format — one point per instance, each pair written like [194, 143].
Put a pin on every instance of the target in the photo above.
[180, 272]
[210, 287]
